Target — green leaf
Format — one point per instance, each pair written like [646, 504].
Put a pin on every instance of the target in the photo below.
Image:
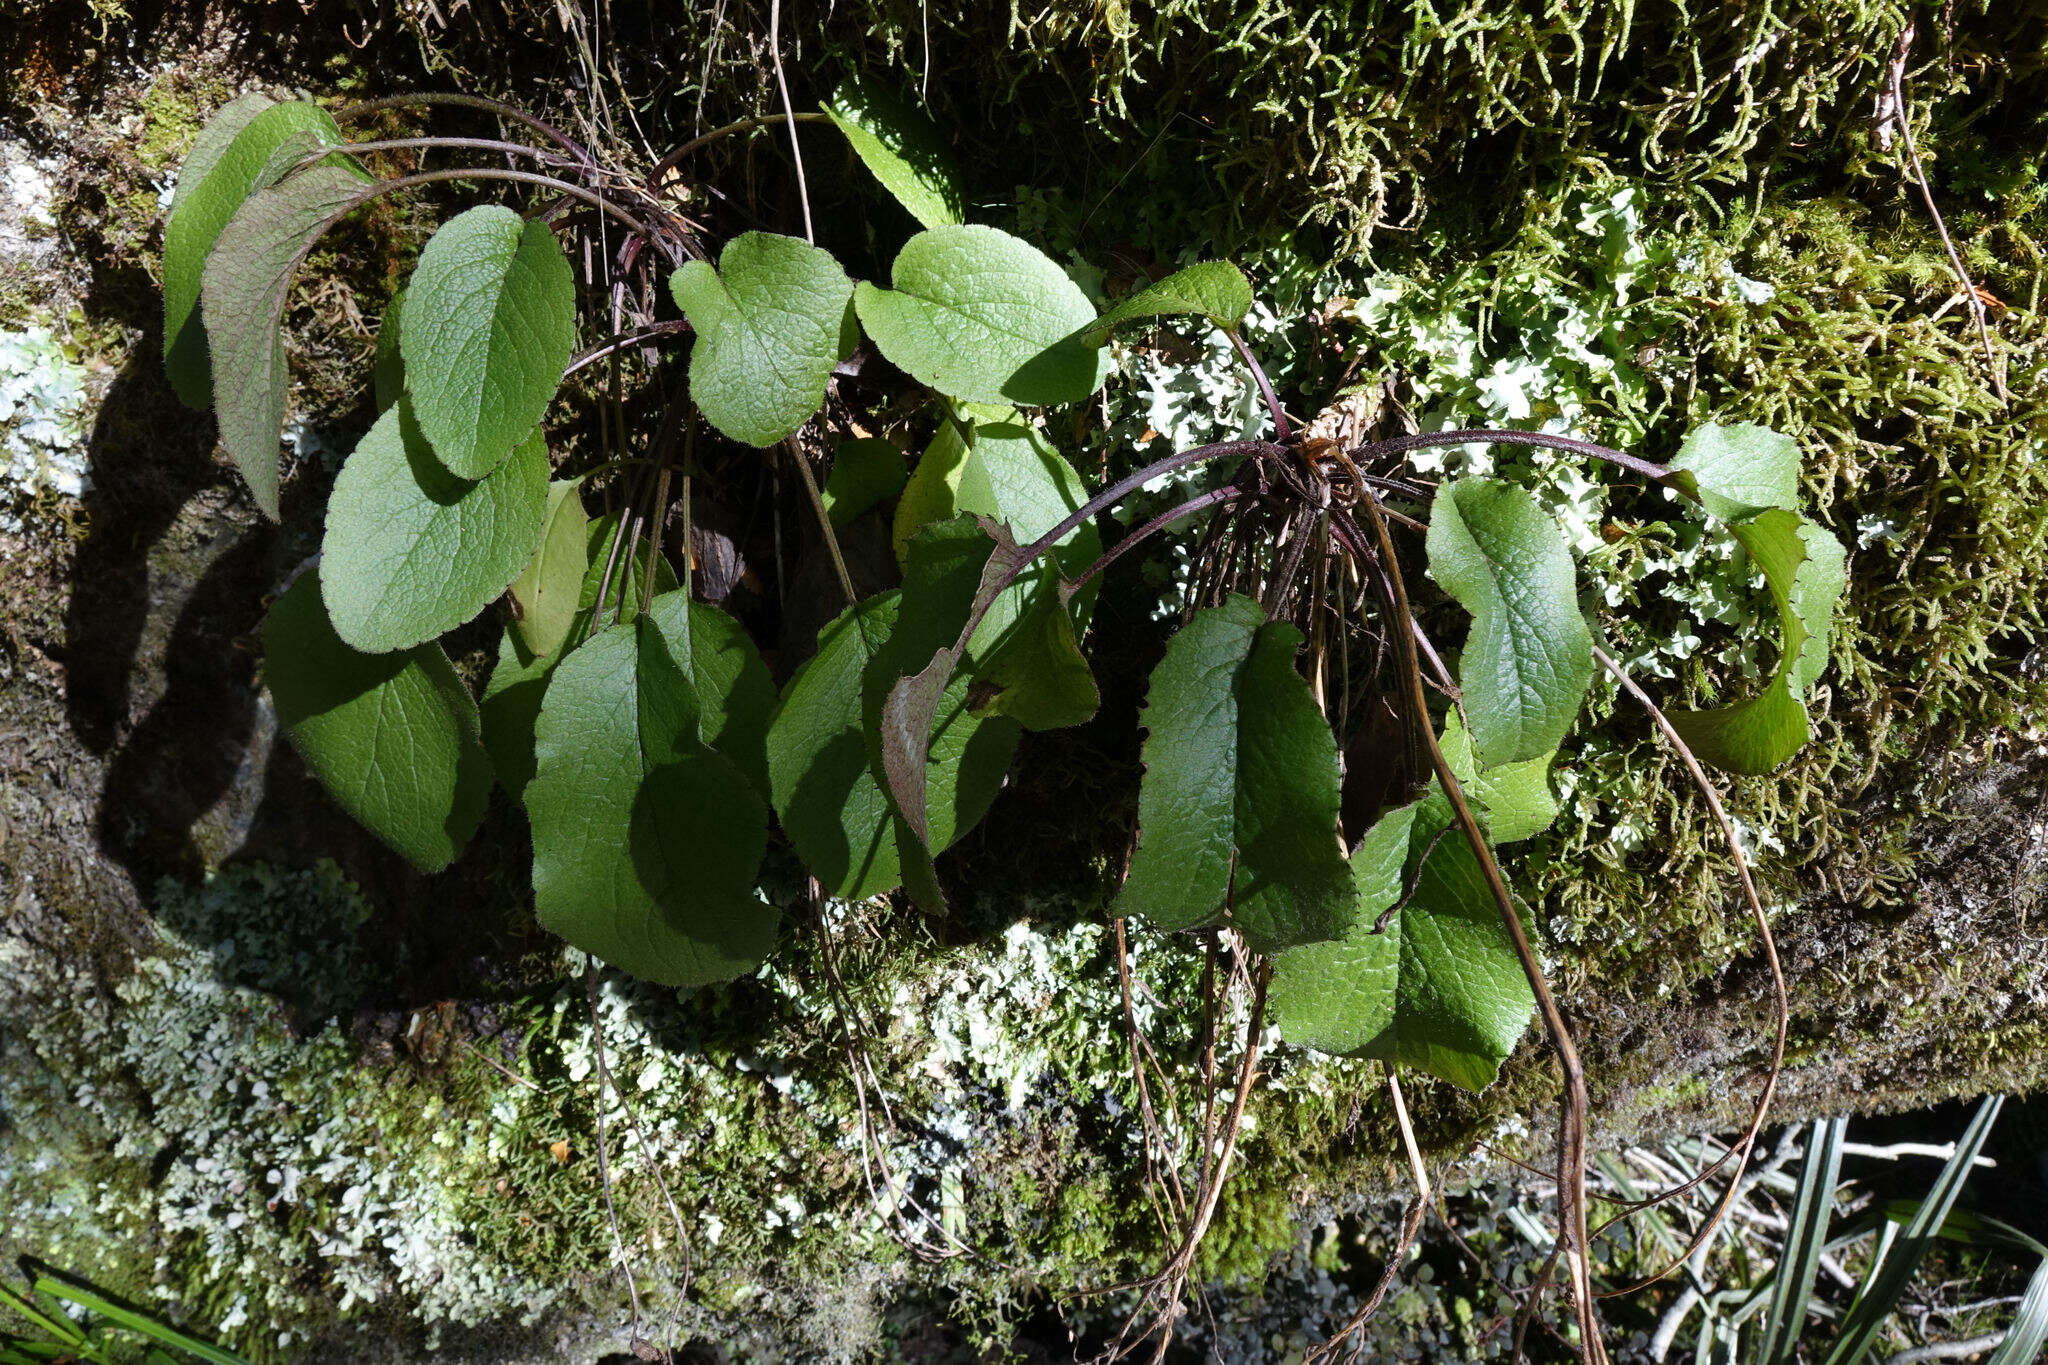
[1529, 660]
[547, 593]
[1038, 677]
[1441, 989]
[1001, 469]
[1803, 565]
[225, 167]
[646, 843]
[242, 296]
[830, 804]
[393, 737]
[387, 381]
[1886, 1281]
[513, 693]
[865, 471]
[902, 147]
[979, 315]
[1793, 1278]
[488, 325]
[820, 764]
[940, 745]
[412, 551]
[1739, 471]
[1515, 797]
[771, 323]
[1216, 290]
[129, 1319]
[1239, 803]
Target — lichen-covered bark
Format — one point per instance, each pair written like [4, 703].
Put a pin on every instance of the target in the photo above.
[312, 1102]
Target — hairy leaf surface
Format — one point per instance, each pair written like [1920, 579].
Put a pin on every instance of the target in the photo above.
[412, 551]
[225, 167]
[1529, 659]
[242, 296]
[902, 147]
[772, 320]
[547, 593]
[1440, 989]
[1803, 565]
[1239, 804]
[647, 843]
[1514, 796]
[1742, 470]
[393, 737]
[980, 315]
[1216, 290]
[488, 325]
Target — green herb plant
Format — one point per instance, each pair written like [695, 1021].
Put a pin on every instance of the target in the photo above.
[639, 727]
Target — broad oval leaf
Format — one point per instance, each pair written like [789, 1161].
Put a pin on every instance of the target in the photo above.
[903, 149]
[488, 325]
[1740, 471]
[412, 551]
[242, 296]
[547, 592]
[1803, 565]
[1440, 989]
[519, 681]
[1216, 290]
[646, 843]
[226, 165]
[772, 320]
[1238, 809]
[393, 737]
[979, 315]
[821, 768]
[1529, 659]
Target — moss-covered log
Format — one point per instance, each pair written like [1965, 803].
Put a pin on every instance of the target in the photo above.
[254, 1071]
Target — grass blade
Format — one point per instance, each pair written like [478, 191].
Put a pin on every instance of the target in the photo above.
[2029, 1330]
[136, 1322]
[1887, 1278]
[62, 1329]
[1812, 1207]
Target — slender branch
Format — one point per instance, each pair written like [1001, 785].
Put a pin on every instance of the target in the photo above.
[351, 112]
[1955, 257]
[803, 471]
[1281, 431]
[589, 197]
[1571, 1118]
[622, 342]
[471, 144]
[1152, 527]
[1108, 497]
[803, 190]
[746, 125]
[1425, 440]
[1780, 998]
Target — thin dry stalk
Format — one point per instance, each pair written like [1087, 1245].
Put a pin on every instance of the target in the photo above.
[1972, 298]
[1780, 999]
